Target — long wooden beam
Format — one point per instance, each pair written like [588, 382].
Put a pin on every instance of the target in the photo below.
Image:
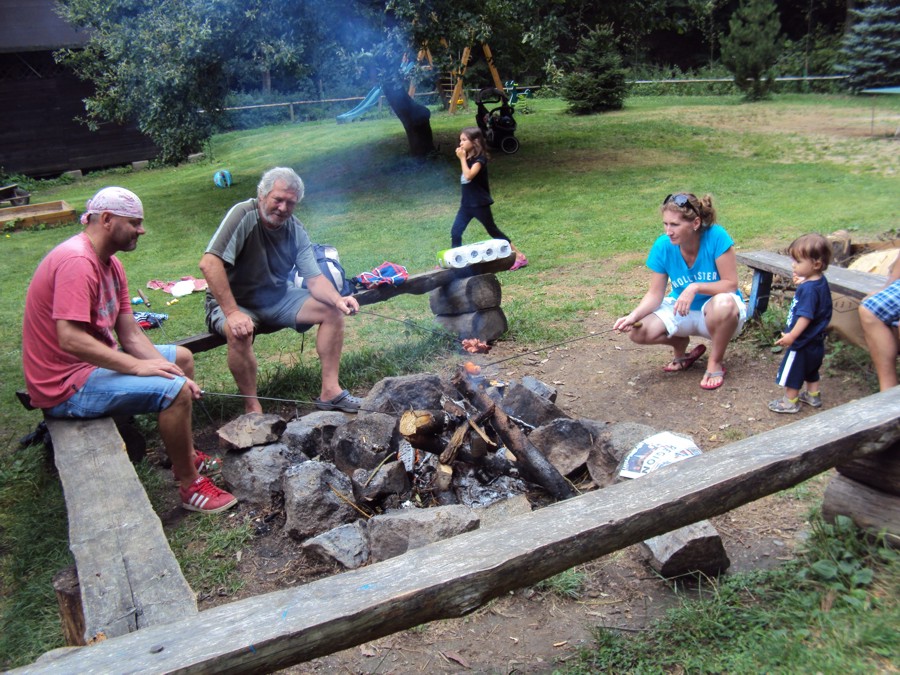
[454, 577]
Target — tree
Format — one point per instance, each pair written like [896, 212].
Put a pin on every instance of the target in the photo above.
[870, 54]
[598, 82]
[169, 64]
[752, 47]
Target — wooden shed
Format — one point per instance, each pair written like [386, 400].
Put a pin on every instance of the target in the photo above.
[39, 131]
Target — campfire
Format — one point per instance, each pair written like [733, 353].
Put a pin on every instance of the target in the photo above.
[426, 458]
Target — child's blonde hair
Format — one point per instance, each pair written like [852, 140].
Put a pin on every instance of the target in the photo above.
[813, 247]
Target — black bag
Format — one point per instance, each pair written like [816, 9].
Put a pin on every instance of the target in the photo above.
[330, 264]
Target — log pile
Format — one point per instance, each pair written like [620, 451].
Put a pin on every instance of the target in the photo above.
[470, 307]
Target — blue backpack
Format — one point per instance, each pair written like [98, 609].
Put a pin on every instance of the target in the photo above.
[330, 264]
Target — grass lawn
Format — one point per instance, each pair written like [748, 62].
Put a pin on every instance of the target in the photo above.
[579, 191]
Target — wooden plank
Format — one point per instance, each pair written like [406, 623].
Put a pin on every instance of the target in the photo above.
[415, 284]
[849, 282]
[428, 281]
[128, 575]
[456, 576]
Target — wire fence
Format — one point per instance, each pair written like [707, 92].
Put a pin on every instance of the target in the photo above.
[259, 114]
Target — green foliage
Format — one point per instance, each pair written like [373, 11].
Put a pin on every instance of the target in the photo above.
[834, 610]
[568, 584]
[169, 66]
[597, 83]
[751, 48]
[870, 54]
[816, 54]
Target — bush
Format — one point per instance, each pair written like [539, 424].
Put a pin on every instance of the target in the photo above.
[598, 83]
[751, 48]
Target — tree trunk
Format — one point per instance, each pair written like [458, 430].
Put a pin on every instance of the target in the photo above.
[416, 120]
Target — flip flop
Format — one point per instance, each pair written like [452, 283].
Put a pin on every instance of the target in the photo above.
[686, 361]
[344, 402]
[707, 375]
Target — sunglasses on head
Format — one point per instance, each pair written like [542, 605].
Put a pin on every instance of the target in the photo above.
[681, 200]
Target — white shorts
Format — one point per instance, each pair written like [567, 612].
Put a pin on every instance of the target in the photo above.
[695, 321]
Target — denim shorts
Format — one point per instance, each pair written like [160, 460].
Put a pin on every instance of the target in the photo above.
[108, 393]
[695, 321]
[281, 314]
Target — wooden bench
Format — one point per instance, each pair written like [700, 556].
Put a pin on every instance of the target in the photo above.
[416, 284]
[765, 264]
[127, 574]
[454, 577]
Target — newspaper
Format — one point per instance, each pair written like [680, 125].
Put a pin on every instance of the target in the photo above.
[656, 451]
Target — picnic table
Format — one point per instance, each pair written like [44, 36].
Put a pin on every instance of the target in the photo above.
[15, 195]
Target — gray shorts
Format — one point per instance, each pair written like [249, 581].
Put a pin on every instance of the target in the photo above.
[281, 314]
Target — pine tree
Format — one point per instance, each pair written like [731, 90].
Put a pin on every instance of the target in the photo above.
[870, 54]
[752, 47]
[598, 80]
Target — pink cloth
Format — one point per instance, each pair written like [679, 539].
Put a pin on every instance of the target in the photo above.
[166, 286]
[72, 284]
[116, 200]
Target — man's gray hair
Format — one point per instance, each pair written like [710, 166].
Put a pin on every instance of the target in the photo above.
[280, 173]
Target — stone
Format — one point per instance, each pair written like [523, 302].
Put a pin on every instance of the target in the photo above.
[394, 533]
[542, 389]
[312, 434]
[312, 503]
[390, 479]
[613, 443]
[567, 443]
[365, 442]
[694, 549]
[140, 165]
[393, 395]
[501, 511]
[522, 403]
[251, 429]
[347, 545]
[255, 475]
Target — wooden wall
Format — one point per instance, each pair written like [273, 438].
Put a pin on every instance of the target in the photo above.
[39, 135]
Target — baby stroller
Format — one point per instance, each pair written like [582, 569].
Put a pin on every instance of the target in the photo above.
[498, 125]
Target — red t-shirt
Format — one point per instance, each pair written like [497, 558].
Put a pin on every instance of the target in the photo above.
[71, 283]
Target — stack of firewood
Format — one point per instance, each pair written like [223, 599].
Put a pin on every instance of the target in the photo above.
[470, 307]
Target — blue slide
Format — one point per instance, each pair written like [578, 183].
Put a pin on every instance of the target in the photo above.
[370, 100]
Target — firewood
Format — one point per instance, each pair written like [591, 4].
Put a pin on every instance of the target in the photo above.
[443, 477]
[534, 465]
[427, 422]
[454, 444]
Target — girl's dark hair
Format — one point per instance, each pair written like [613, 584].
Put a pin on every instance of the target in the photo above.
[475, 135]
[813, 247]
[690, 206]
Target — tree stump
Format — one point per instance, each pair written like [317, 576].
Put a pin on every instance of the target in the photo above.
[872, 510]
[466, 295]
[485, 324]
[470, 307]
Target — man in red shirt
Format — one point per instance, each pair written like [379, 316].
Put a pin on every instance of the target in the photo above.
[85, 356]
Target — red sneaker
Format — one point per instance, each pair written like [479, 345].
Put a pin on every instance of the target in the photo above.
[205, 497]
[206, 464]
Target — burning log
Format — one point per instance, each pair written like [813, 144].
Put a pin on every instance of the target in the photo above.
[423, 428]
[534, 465]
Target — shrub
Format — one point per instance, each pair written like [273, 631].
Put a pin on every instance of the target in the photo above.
[751, 48]
[598, 82]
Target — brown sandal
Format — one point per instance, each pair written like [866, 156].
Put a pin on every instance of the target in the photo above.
[686, 361]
